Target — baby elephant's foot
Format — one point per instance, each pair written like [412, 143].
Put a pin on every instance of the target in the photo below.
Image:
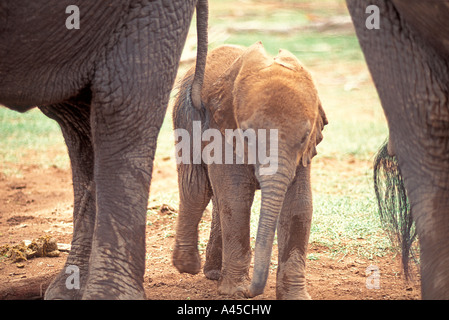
[187, 259]
[231, 287]
[249, 291]
[296, 294]
[212, 268]
[212, 274]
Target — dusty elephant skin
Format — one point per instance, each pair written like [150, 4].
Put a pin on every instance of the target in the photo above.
[408, 57]
[247, 89]
[107, 85]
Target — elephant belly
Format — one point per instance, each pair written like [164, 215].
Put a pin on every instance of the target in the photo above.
[44, 60]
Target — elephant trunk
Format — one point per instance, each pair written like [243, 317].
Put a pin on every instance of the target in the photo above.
[273, 189]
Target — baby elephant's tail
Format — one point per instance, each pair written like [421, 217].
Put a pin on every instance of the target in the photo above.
[189, 123]
[184, 109]
[394, 207]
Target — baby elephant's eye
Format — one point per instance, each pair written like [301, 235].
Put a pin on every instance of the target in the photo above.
[305, 137]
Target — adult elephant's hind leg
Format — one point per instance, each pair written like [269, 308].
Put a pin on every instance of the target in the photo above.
[124, 138]
[130, 93]
[74, 120]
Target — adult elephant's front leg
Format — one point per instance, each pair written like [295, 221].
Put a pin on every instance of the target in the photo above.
[130, 95]
[293, 238]
[122, 177]
[124, 147]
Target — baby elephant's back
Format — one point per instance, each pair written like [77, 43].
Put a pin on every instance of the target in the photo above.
[218, 61]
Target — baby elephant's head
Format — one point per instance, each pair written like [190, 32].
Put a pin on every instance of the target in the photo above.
[275, 97]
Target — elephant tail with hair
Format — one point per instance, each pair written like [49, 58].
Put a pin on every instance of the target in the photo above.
[202, 14]
[394, 207]
[185, 118]
[184, 110]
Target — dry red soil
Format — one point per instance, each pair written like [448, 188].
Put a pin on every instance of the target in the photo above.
[40, 202]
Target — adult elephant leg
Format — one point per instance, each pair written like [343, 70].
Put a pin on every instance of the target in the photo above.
[122, 178]
[411, 75]
[214, 249]
[194, 196]
[131, 88]
[234, 196]
[74, 120]
[430, 212]
[293, 237]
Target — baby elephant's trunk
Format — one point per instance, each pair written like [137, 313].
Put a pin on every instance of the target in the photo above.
[273, 187]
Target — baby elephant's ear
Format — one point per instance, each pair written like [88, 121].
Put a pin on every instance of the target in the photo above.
[315, 137]
[287, 59]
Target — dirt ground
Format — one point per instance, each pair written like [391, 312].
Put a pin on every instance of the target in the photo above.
[41, 203]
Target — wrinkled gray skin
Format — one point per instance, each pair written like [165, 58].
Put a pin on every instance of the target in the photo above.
[286, 196]
[107, 85]
[408, 58]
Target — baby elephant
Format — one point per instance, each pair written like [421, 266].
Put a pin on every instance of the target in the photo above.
[258, 128]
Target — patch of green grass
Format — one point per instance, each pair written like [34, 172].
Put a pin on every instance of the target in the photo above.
[282, 25]
[348, 225]
[311, 48]
[357, 125]
[285, 13]
[166, 141]
[26, 138]
[343, 223]
[28, 130]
